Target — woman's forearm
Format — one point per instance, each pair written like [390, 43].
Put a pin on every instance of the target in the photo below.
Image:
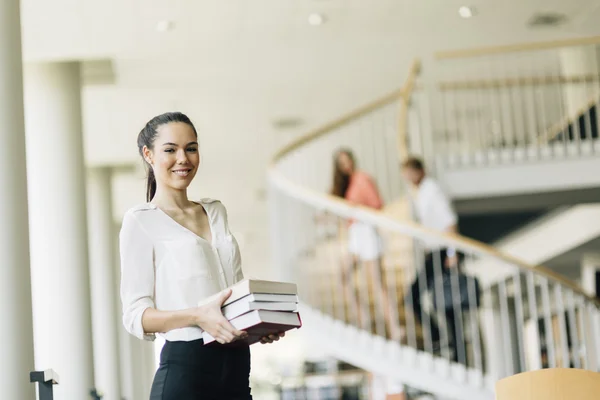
[207, 316]
[158, 321]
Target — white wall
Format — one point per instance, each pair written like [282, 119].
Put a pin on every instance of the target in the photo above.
[578, 61]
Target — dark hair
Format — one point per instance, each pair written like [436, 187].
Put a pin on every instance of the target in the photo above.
[147, 137]
[414, 163]
[341, 180]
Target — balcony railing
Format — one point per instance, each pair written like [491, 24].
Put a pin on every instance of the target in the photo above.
[514, 104]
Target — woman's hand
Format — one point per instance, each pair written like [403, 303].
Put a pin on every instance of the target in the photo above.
[272, 338]
[210, 318]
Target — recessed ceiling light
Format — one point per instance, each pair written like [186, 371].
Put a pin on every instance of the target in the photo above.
[466, 12]
[316, 19]
[290, 122]
[549, 19]
[165, 26]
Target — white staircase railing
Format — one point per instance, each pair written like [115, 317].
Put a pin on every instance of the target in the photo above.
[515, 104]
[365, 312]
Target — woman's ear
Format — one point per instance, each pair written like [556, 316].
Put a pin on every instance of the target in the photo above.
[147, 155]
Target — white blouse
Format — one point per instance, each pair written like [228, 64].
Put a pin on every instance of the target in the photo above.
[168, 267]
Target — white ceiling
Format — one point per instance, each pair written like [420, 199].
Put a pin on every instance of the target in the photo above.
[237, 65]
[124, 29]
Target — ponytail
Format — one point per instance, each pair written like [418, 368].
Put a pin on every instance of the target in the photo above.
[150, 185]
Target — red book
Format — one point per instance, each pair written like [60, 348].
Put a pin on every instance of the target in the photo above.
[260, 323]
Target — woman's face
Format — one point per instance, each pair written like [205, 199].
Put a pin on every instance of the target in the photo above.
[345, 163]
[174, 156]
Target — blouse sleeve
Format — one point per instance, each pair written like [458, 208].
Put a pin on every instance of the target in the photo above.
[137, 275]
[236, 260]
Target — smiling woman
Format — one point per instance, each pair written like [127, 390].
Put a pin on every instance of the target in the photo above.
[169, 126]
[175, 253]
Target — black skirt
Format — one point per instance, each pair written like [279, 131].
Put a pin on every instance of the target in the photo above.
[192, 371]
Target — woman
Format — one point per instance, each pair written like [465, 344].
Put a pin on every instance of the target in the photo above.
[357, 187]
[175, 253]
[364, 242]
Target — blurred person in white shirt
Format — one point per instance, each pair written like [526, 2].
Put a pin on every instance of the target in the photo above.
[433, 210]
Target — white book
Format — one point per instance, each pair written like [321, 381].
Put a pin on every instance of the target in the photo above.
[260, 323]
[241, 307]
[249, 286]
[254, 286]
[267, 298]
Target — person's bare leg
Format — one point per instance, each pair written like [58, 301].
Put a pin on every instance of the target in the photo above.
[351, 299]
[390, 313]
[362, 286]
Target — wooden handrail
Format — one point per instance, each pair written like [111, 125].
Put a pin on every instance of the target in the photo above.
[515, 48]
[337, 123]
[512, 82]
[407, 91]
[403, 95]
[409, 84]
[456, 240]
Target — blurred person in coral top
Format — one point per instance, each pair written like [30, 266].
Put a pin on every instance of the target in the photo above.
[364, 242]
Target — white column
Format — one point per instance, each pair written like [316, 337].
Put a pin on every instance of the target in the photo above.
[590, 264]
[104, 291]
[125, 359]
[579, 61]
[59, 248]
[127, 367]
[494, 349]
[136, 357]
[138, 366]
[142, 354]
[16, 333]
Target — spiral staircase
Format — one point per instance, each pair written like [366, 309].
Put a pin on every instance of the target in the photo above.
[529, 317]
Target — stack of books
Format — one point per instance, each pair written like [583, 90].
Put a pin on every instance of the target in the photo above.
[260, 308]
